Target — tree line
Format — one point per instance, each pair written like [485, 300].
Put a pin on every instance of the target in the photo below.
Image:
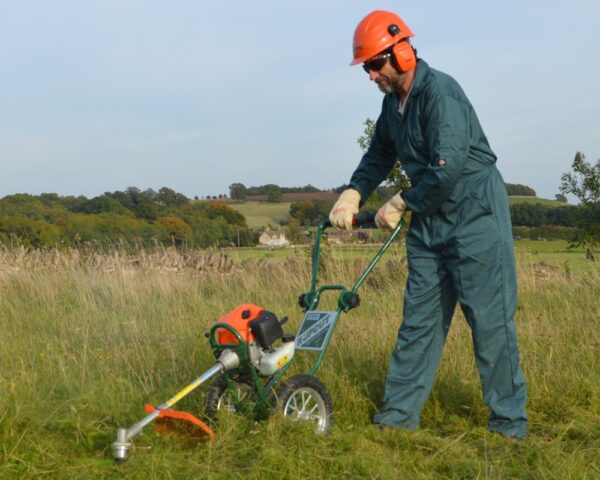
[132, 216]
[311, 212]
[166, 217]
[239, 191]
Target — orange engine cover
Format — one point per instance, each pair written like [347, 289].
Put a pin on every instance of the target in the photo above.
[239, 318]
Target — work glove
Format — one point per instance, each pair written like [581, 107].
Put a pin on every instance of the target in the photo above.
[390, 214]
[345, 208]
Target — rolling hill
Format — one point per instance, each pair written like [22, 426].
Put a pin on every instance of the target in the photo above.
[544, 201]
[260, 213]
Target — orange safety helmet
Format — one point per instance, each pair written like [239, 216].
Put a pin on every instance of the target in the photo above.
[376, 32]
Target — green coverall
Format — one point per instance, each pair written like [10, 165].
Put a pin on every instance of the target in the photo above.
[459, 247]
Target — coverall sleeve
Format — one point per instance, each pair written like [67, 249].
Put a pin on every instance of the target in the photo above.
[377, 162]
[446, 135]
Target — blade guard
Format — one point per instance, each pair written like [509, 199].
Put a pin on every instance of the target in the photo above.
[169, 414]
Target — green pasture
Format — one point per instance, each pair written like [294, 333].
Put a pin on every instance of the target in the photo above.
[261, 214]
[544, 201]
[555, 253]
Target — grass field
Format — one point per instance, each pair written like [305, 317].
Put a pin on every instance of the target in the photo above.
[544, 201]
[554, 254]
[84, 348]
[261, 214]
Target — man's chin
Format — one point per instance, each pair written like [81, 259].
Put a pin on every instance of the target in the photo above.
[385, 87]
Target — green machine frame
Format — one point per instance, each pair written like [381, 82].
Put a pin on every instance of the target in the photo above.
[309, 301]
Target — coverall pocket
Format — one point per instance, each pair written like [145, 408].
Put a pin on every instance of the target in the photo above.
[478, 189]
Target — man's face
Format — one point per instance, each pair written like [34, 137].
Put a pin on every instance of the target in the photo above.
[387, 78]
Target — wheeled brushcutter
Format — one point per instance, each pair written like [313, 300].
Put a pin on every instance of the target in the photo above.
[253, 354]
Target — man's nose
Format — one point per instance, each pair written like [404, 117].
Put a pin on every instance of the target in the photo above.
[373, 75]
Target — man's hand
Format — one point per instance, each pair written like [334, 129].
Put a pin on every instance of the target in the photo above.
[390, 214]
[345, 208]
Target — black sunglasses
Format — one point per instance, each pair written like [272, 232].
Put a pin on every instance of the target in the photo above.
[377, 63]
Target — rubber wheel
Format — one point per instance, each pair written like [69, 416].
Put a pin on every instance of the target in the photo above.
[305, 398]
[219, 397]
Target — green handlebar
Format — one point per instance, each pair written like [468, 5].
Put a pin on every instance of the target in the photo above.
[347, 299]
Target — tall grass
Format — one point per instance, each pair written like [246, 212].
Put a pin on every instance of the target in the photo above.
[84, 348]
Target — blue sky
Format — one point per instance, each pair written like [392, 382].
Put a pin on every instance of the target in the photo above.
[97, 96]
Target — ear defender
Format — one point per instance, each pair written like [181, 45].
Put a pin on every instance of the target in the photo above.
[403, 55]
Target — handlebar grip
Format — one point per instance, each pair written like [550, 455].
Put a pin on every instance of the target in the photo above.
[364, 219]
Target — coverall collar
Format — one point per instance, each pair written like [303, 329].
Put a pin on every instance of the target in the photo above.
[417, 85]
[421, 73]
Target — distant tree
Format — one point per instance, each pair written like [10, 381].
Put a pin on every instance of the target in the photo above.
[102, 204]
[27, 232]
[151, 194]
[559, 197]
[584, 183]
[128, 198]
[175, 227]
[294, 231]
[301, 211]
[30, 206]
[528, 214]
[237, 191]
[516, 189]
[49, 198]
[274, 193]
[170, 198]
[309, 189]
[538, 214]
[146, 210]
[397, 177]
[561, 216]
[231, 216]
[100, 228]
[264, 189]
[310, 212]
[368, 133]
[71, 203]
[306, 189]
[142, 204]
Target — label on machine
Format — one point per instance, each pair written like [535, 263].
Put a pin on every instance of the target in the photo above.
[314, 330]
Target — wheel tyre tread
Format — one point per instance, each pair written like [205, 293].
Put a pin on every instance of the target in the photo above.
[214, 394]
[301, 381]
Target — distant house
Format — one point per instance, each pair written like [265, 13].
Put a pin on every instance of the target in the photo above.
[269, 238]
[339, 236]
[344, 236]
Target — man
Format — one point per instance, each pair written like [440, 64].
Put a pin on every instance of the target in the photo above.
[459, 244]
